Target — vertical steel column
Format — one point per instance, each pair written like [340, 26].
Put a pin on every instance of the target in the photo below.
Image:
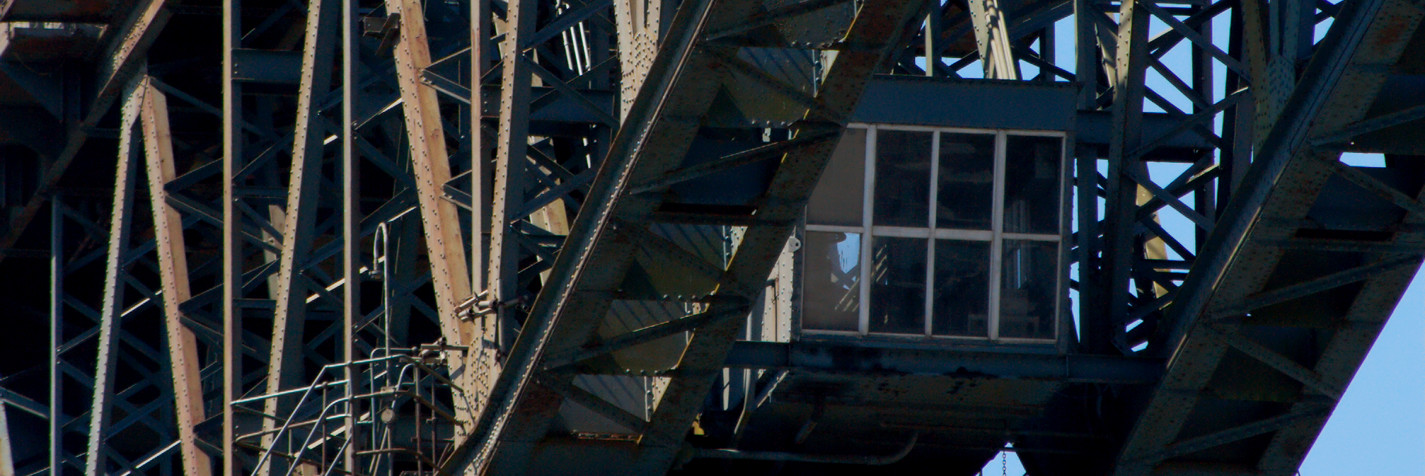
[1272, 79]
[933, 66]
[1270, 87]
[511, 164]
[430, 159]
[119, 221]
[484, 224]
[401, 270]
[1203, 80]
[304, 186]
[1238, 123]
[1122, 202]
[992, 37]
[1046, 53]
[1087, 53]
[173, 271]
[56, 336]
[1292, 28]
[232, 227]
[350, 224]
[1095, 329]
[480, 62]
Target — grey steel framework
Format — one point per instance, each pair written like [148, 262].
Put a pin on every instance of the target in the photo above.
[560, 236]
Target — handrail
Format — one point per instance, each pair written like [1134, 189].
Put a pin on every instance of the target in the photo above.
[344, 446]
[320, 373]
[299, 424]
[406, 376]
[154, 456]
[294, 391]
[302, 448]
[266, 455]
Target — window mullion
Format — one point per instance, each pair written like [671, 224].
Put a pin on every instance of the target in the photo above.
[997, 241]
[1061, 277]
[930, 242]
[867, 204]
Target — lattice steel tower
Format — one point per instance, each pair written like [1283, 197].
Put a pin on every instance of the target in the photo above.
[411, 237]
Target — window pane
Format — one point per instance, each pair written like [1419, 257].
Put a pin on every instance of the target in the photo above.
[836, 200]
[1031, 185]
[902, 178]
[1028, 295]
[962, 296]
[831, 284]
[898, 285]
[966, 181]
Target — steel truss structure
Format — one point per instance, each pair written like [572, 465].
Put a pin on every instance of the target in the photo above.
[553, 236]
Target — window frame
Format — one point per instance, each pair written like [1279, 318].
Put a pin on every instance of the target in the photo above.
[996, 236]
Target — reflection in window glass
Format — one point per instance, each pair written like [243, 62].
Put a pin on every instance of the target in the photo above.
[1027, 289]
[831, 287]
[902, 195]
[961, 287]
[837, 198]
[898, 285]
[966, 181]
[1031, 185]
[995, 199]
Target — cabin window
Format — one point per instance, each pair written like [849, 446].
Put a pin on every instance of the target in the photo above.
[954, 233]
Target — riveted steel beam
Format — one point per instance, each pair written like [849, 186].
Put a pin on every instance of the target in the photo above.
[993, 39]
[449, 268]
[641, 25]
[173, 265]
[1313, 286]
[1375, 186]
[1277, 361]
[285, 361]
[445, 247]
[511, 168]
[1236, 433]
[56, 337]
[119, 227]
[648, 334]
[351, 226]
[1130, 64]
[234, 162]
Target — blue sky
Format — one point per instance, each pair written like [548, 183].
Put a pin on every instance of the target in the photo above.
[1378, 428]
